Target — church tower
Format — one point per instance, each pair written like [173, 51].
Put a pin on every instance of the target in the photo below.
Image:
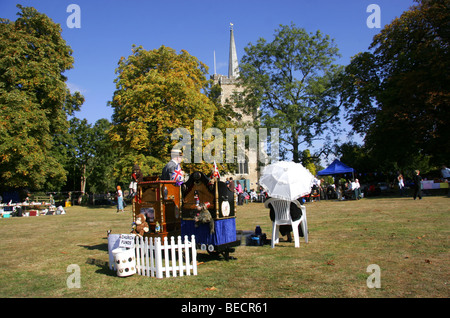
[229, 84]
[233, 64]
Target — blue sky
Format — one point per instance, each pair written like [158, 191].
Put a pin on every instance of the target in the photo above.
[109, 28]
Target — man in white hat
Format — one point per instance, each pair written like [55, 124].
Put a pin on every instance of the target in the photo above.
[172, 165]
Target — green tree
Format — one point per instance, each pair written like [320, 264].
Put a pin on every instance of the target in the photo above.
[34, 100]
[100, 178]
[292, 80]
[398, 94]
[81, 149]
[157, 91]
[90, 156]
[357, 157]
[309, 162]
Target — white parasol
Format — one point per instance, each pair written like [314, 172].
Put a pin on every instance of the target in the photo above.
[286, 180]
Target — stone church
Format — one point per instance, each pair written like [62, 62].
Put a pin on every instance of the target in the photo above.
[247, 173]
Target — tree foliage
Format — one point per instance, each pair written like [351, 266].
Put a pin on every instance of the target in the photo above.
[100, 168]
[308, 162]
[398, 94]
[90, 156]
[293, 82]
[80, 150]
[34, 100]
[157, 92]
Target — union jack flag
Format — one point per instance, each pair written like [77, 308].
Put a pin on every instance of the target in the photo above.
[177, 174]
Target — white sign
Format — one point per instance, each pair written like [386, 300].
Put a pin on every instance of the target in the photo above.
[127, 240]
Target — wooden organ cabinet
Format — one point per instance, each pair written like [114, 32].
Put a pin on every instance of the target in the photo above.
[217, 194]
[200, 189]
[160, 202]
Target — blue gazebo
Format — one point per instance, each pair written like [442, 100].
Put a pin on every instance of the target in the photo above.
[336, 167]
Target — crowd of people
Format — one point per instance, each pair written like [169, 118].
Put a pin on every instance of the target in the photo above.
[350, 189]
[341, 189]
[243, 195]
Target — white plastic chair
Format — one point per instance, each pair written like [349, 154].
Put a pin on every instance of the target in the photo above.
[283, 217]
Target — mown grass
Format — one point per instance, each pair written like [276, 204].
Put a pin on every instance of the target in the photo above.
[407, 239]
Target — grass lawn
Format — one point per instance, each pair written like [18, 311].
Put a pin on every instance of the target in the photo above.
[407, 239]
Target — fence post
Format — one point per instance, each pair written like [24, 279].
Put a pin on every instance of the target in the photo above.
[152, 257]
[173, 255]
[194, 254]
[166, 256]
[137, 247]
[180, 256]
[186, 253]
[158, 257]
[143, 254]
[147, 251]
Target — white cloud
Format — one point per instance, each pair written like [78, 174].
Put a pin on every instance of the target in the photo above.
[75, 88]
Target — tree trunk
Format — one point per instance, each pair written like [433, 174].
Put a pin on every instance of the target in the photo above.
[83, 179]
[295, 145]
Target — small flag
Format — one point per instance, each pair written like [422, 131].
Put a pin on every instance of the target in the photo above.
[177, 175]
[216, 171]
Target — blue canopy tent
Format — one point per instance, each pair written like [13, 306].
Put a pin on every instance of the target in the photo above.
[336, 167]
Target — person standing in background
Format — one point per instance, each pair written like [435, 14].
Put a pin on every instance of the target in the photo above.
[401, 184]
[417, 179]
[119, 200]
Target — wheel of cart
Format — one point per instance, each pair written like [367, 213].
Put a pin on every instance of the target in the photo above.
[219, 250]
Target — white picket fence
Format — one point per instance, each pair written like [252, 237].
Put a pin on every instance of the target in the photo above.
[158, 260]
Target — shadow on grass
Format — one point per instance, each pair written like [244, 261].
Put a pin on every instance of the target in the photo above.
[106, 206]
[103, 266]
[204, 257]
[100, 247]
[106, 271]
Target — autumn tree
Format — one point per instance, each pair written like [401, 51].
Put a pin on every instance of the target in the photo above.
[398, 92]
[292, 80]
[157, 91]
[34, 100]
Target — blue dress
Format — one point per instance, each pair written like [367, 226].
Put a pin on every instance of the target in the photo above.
[119, 201]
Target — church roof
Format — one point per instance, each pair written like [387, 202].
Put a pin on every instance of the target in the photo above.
[233, 65]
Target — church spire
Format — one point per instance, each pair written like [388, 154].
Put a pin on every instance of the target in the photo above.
[233, 66]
